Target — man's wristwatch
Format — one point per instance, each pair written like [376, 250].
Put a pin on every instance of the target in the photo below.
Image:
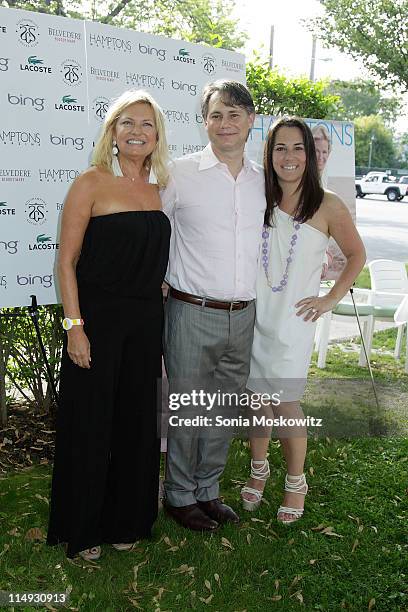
[68, 323]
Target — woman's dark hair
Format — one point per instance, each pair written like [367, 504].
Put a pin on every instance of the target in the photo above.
[231, 93]
[310, 190]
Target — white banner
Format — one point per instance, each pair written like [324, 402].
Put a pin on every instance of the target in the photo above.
[57, 77]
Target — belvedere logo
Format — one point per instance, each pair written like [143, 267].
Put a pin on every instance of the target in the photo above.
[28, 32]
[208, 63]
[99, 106]
[35, 64]
[10, 247]
[104, 74]
[184, 57]
[36, 210]
[5, 210]
[43, 243]
[64, 36]
[68, 103]
[4, 64]
[71, 72]
[36, 103]
[14, 175]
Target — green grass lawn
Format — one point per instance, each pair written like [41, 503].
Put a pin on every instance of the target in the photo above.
[346, 553]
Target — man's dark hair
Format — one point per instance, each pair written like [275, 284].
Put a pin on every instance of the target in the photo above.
[310, 189]
[231, 93]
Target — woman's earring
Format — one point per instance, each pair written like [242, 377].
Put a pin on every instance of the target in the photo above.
[115, 149]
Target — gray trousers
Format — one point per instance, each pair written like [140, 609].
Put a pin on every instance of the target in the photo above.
[202, 343]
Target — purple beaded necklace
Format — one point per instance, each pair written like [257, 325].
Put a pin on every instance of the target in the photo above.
[265, 256]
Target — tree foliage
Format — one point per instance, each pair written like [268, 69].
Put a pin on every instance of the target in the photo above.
[374, 31]
[361, 97]
[199, 21]
[383, 149]
[275, 94]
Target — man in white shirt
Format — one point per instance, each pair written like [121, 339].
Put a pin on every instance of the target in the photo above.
[216, 202]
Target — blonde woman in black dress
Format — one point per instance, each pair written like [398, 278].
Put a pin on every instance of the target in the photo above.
[112, 261]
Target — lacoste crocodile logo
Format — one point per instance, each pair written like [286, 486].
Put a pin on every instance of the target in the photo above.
[183, 52]
[34, 60]
[68, 100]
[3, 203]
[43, 238]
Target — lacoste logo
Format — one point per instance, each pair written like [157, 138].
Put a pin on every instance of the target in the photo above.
[183, 52]
[3, 203]
[34, 60]
[43, 238]
[68, 100]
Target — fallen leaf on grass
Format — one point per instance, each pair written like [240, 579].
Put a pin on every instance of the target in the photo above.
[276, 598]
[135, 604]
[14, 532]
[217, 578]
[256, 520]
[208, 600]
[5, 549]
[298, 596]
[263, 573]
[295, 581]
[277, 583]
[354, 545]
[207, 584]
[291, 541]
[248, 538]
[371, 604]
[311, 471]
[35, 533]
[135, 573]
[326, 530]
[312, 561]
[375, 528]
[184, 569]
[226, 543]
[360, 528]
[44, 499]
[318, 528]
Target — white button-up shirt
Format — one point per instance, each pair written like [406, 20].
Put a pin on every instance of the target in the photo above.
[216, 226]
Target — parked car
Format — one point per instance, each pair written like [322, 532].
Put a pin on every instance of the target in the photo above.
[403, 179]
[381, 183]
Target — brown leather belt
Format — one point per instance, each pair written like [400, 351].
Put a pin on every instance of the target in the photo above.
[208, 303]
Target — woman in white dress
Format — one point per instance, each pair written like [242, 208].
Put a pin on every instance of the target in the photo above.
[300, 217]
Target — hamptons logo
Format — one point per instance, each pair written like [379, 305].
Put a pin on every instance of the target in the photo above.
[68, 103]
[28, 32]
[110, 42]
[5, 210]
[35, 64]
[43, 243]
[183, 56]
[176, 116]
[144, 80]
[20, 138]
[57, 175]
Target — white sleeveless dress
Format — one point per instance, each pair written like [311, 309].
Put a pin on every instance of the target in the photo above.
[283, 342]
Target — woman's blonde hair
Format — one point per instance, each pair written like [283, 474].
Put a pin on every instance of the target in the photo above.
[320, 132]
[158, 159]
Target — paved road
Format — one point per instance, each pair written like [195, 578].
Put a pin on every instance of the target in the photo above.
[384, 227]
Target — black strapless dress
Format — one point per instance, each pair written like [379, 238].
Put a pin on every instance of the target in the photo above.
[106, 468]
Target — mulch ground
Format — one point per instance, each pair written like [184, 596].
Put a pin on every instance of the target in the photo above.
[28, 438]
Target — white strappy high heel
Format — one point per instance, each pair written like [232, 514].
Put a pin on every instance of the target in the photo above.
[90, 554]
[258, 472]
[297, 484]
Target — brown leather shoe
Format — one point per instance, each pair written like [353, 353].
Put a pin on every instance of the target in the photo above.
[218, 511]
[190, 517]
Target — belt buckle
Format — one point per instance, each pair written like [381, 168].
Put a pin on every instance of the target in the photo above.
[232, 305]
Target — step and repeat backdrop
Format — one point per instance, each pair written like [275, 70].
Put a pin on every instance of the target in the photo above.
[57, 78]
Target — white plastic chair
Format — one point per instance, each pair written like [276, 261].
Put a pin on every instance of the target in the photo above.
[344, 308]
[389, 286]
